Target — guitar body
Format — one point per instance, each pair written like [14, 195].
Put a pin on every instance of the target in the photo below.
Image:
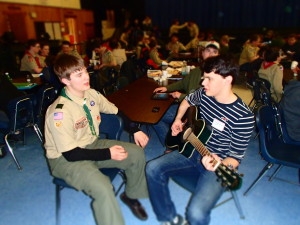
[193, 138]
[199, 129]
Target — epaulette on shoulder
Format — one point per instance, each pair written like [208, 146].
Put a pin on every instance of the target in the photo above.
[59, 106]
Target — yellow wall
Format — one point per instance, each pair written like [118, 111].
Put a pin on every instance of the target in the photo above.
[74, 4]
[21, 18]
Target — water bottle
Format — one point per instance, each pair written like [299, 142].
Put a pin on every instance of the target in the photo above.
[28, 79]
[183, 70]
[8, 77]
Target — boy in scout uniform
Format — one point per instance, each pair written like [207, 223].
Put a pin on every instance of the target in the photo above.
[75, 153]
[30, 61]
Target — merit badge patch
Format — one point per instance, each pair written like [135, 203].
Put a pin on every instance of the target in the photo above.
[92, 103]
[81, 123]
[98, 118]
[58, 124]
[58, 116]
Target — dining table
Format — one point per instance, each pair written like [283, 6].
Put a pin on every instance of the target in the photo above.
[137, 103]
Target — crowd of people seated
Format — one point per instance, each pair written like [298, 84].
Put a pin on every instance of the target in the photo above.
[139, 46]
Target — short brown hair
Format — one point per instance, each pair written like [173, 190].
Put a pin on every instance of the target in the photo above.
[65, 64]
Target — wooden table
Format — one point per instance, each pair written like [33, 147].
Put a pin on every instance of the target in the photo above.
[37, 80]
[187, 56]
[289, 75]
[135, 101]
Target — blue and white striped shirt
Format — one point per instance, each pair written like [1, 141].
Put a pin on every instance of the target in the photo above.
[233, 140]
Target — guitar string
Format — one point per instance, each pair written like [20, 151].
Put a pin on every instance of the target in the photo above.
[200, 146]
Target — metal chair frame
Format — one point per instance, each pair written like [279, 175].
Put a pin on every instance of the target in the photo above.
[27, 103]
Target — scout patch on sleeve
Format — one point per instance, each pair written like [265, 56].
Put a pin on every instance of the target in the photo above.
[81, 123]
[98, 118]
[59, 106]
[58, 116]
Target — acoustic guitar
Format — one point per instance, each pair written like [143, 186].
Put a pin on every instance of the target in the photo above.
[192, 138]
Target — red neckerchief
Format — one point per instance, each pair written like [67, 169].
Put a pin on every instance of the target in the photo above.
[267, 64]
[35, 58]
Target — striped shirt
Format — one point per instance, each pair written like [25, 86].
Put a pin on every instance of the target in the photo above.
[232, 141]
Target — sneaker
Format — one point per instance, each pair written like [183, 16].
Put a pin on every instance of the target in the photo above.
[178, 220]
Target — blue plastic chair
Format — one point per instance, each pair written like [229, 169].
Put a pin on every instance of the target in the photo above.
[45, 97]
[273, 149]
[111, 127]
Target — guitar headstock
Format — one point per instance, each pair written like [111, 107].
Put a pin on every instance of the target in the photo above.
[228, 177]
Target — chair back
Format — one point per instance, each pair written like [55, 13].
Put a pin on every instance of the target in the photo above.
[21, 112]
[111, 126]
[272, 147]
[261, 88]
[45, 97]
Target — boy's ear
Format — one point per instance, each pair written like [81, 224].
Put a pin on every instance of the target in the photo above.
[65, 81]
[229, 79]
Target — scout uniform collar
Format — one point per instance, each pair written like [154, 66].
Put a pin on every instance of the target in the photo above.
[85, 108]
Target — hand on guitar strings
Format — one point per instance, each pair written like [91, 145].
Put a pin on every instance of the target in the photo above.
[209, 161]
[176, 127]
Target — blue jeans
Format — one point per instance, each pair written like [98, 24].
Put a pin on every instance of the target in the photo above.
[163, 126]
[206, 193]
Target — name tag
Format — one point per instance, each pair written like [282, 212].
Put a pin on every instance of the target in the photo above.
[218, 125]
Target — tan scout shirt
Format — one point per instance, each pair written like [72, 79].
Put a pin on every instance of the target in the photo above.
[108, 58]
[28, 63]
[248, 53]
[67, 125]
[274, 74]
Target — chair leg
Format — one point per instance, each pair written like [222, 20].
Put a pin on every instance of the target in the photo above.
[12, 153]
[261, 174]
[124, 179]
[237, 204]
[38, 132]
[57, 202]
[275, 172]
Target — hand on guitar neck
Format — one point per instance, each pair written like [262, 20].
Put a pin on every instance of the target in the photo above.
[211, 162]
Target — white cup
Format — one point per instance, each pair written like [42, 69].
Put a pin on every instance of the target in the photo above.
[294, 64]
[188, 69]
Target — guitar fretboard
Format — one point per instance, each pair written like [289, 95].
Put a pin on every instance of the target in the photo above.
[199, 146]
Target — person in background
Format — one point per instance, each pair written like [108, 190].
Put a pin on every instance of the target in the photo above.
[30, 61]
[292, 47]
[231, 124]
[154, 59]
[125, 38]
[193, 29]
[147, 25]
[250, 60]
[195, 42]
[272, 71]
[106, 57]
[44, 53]
[180, 89]
[175, 27]
[224, 44]
[118, 52]
[175, 46]
[290, 106]
[74, 150]
[143, 43]
[66, 48]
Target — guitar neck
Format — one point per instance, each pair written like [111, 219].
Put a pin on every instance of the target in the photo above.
[199, 146]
